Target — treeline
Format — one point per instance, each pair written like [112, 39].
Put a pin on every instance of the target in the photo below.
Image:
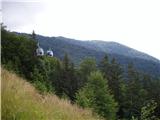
[104, 87]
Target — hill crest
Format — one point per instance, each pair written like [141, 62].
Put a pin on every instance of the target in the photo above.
[78, 50]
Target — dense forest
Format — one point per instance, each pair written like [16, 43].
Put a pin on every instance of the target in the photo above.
[103, 87]
[79, 50]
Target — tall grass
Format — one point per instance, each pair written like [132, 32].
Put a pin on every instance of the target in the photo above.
[21, 101]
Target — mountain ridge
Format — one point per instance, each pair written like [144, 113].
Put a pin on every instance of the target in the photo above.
[78, 50]
[99, 41]
[111, 44]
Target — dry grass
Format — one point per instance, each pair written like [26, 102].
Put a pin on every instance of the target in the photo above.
[21, 101]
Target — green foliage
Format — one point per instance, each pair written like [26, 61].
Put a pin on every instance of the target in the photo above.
[87, 66]
[41, 86]
[130, 90]
[46, 73]
[68, 78]
[84, 98]
[147, 112]
[40, 83]
[114, 74]
[135, 94]
[20, 101]
[18, 53]
[36, 76]
[95, 94]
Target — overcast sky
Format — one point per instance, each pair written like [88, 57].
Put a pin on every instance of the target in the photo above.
[135, 23]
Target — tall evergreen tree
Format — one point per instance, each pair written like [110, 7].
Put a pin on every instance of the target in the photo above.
[105, 66]
[87, 66]
[33, 35]
[114, 74]
[115, 79]
[135, 94]
[96, 95]
[69, 85]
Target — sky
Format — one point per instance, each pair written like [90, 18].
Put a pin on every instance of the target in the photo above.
[135, 23]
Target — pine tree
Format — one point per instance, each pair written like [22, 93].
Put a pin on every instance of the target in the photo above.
[116, 79]
[33, 35]
[114, 74]
[96, 95]
[69, 84]
[105, 66]
[87, 66]
[134, 94]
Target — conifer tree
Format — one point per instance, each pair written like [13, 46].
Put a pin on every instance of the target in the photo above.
[114, 74]
[33, 35]
[87, 66]
[134, 93]
[96, 95]
[69, 84]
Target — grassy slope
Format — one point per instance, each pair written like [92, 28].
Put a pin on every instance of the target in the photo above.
[20, 101]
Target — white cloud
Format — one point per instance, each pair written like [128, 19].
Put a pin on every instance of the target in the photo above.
[133, 23]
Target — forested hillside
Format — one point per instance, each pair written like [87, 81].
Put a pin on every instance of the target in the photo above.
[100, 86]
[78, 50]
